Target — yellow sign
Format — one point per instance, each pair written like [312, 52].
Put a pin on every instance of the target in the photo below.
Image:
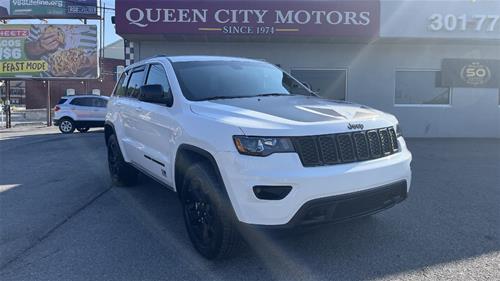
[23, 66]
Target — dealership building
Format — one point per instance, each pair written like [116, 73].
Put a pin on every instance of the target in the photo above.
[434, 64]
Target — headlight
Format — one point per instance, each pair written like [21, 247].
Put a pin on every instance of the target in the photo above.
[262, 146]
[399, 132]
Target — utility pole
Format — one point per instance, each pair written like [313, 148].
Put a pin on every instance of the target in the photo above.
[49, 110]
[8, 116]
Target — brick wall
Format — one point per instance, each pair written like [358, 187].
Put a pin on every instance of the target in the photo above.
[36, 91]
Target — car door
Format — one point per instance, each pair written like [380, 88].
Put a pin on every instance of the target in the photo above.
[155, 121]
[98, 112]
[130, 116]
[81, 108]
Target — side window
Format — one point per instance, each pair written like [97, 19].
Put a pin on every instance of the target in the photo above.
[83, 102]
[97, 102]
[135, 83]
[121, 88]
[157, 76]
[103, 103]
[77, 101]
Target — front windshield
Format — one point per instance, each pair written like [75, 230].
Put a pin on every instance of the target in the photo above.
[208, 80]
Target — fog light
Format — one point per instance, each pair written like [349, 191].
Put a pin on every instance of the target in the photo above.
[271, 192]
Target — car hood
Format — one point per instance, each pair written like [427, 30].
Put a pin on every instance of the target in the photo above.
[291, 115]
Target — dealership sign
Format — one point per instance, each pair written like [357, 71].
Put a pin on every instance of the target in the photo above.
[470, 73]
[48, 51]
[468, 20]
[45, 9]
[331, 19]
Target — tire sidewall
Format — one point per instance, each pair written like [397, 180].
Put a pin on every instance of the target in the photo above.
[222, 214]
[63, 126]
[122, 174]
[114, 148]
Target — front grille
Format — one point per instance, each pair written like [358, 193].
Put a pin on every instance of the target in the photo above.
[342, 148]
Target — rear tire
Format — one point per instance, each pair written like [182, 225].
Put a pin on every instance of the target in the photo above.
[122, 173]
[83, 130]
[208, 214]
[67, 126]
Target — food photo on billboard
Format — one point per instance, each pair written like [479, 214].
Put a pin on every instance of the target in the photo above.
[48, 51]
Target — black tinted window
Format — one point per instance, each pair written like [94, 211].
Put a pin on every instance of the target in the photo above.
[135, 83]
[121, 88]
[61, 101]
[157, 76]
[227, 79]
[98, 102]
[82, 102]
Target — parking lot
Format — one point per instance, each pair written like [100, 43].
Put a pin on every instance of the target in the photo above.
[60, 219]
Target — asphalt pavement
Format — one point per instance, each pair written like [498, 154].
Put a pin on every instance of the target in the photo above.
[60, 219]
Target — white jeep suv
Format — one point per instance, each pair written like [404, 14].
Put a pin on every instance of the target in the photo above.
[246, 144]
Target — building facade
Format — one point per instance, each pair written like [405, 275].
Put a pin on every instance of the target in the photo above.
[436, 66]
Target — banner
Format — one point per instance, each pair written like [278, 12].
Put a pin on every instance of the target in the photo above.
[267, 19]
[48, 51]
[470, 73]
[47, 9]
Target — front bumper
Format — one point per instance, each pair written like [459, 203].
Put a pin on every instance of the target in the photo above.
[312, 185]
[55, 122]
[345, 207]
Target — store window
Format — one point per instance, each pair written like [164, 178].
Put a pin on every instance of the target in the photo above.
[328, 83]
[17, 93]
[420, 88]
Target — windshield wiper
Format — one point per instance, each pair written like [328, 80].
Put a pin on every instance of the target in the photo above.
[273, 95]
[245, 97]
[223, 98]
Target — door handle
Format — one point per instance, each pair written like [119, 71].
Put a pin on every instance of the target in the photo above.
[138, 109]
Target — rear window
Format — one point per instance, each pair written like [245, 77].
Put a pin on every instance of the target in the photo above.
[61, 101]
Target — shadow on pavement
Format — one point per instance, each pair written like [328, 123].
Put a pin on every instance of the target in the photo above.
[450, 216]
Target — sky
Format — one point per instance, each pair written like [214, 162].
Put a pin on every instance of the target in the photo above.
[110, 35]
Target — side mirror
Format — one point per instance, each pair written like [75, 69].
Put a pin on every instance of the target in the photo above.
[155, 94]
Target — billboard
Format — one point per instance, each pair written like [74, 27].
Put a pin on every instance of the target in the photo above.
[45, 9]
[266, 19]
[48, 51]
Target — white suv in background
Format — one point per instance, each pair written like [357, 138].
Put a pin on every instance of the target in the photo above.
[80, 113]
[246, 144]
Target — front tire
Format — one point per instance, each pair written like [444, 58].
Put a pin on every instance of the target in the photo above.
[67, 126]
[122, 174]
[208, 214]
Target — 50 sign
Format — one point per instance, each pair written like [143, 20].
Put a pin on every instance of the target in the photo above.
[475, 74]
[449, 22]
